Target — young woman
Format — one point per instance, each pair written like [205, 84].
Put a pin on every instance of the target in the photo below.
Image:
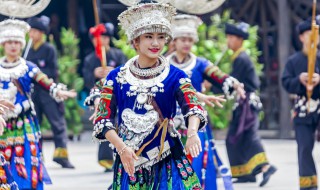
[20, 141]
[145, 91]
[199, 69]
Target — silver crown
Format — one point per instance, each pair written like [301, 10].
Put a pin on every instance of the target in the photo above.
[22, 8]
[145, 18]
[186, 26]
[13, 30]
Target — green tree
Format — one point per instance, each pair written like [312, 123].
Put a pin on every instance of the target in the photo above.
[212, 46]
[68, 63]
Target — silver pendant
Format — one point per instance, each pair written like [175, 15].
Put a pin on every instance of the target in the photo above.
[142, 98]
[148, 107]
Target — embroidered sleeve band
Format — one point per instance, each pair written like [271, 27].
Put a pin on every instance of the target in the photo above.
[214, 73]
[47, 83]
[106, 112]
[189, 102]
[41, 78]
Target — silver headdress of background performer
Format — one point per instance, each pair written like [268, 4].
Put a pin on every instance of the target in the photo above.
[22, 8]
[188, 6]
[196, 6]
[135, 2]
[145, 18]
[186, 26]
[15, 30]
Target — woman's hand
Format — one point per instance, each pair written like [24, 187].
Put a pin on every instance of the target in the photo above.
[2, 125]
[211, 100]
[65, 94]
[96, 105]
[193, 145]
[5, 105]
[128, 157]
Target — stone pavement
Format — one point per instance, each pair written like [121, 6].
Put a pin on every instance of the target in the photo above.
[89, 175]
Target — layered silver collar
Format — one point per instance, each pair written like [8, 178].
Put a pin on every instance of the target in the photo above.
[187, 66]
[151, 72]
[13, 70]
[129, 77]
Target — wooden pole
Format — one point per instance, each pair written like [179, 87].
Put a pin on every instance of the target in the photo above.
[97, 21]
[312, 51]
[96, 13]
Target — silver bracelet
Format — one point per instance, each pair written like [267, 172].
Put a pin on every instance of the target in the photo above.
[193, 134]
[122, 150]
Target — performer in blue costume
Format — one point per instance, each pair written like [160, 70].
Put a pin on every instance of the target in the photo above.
[198, 69]
[149, 154]
[20, 142]
[6, 178]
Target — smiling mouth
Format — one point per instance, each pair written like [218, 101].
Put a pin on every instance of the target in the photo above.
[154, 50]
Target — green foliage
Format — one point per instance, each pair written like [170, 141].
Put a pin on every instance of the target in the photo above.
[212, 43]
[122, 44]
[212, 46]
[68, 62]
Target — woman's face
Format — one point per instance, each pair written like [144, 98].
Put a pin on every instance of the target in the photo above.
[183, 44]
[150, 44]
[12, 48]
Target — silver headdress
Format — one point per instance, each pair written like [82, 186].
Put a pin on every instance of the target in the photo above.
[196, 6]
[145, 18]
[15, 30]
[186, 26]
[135, 2]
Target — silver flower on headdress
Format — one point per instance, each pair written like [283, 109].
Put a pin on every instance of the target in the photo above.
[13, 30]
[186, 26]
[147, 18]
